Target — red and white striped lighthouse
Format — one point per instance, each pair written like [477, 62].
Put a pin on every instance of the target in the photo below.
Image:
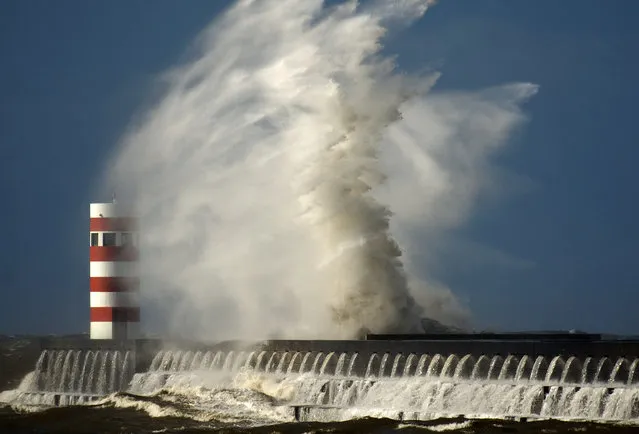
[114, 280]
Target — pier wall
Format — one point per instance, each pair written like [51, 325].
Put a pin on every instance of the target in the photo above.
[532, 345]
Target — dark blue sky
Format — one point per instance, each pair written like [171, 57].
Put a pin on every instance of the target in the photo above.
[74, 73]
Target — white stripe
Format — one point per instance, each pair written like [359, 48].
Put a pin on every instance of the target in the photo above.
[102, 330]
[115, 299]
[107, 210]
[111, 330]
[113, 269]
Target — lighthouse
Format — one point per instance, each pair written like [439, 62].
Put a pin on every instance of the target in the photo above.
[113, 272]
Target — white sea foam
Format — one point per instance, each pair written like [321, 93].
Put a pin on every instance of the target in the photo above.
[439, 428]
[227, 405]
[249, 397]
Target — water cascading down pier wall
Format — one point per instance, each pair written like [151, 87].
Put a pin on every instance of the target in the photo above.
[401, 376]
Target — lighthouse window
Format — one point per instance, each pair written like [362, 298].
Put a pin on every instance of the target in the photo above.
[108, 239]
[95, 238]
[127, 239]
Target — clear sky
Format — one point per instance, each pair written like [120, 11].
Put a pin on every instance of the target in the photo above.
[558, 252]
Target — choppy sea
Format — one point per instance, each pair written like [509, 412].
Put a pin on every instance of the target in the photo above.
[251, 406]
[162, 413]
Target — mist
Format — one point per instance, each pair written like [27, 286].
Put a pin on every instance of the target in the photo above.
[289, 179]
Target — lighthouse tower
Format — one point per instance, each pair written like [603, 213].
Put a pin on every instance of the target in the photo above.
[114, 281]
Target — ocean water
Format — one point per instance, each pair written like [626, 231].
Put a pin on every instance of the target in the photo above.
[108, 418]
[230, 398]
[265, 391]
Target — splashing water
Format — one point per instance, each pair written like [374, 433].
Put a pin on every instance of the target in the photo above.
[463, 384]
[418, 386]
[257, 177]
[65, 377]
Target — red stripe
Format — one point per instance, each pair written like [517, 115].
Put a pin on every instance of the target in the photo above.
[113, 253]
[115, 314]
[114, 224]
[114, 284]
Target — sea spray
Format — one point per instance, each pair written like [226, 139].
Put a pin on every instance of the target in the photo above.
[256, 177]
